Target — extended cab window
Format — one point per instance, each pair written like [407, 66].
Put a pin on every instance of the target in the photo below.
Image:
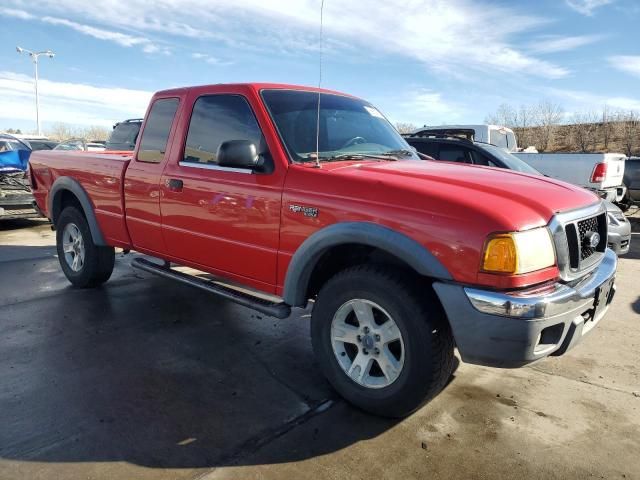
[217, 119]
[156, 131]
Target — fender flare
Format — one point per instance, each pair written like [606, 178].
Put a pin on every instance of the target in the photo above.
[69, 184]
[309, 253]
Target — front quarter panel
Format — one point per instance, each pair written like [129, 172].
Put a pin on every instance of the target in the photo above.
[316, 198]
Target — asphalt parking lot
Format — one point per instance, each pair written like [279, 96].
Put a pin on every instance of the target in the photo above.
[144, 378]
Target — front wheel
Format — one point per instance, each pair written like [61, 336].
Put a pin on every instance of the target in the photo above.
[382, 343]
[83, 263]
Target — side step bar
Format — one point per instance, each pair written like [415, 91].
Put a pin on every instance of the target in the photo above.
[278, 310]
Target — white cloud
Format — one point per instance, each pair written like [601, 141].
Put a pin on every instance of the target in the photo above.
[424, 106]
[14, 13]
[209, 59]
[73, 103]
[556, 43]
[440, 34]
[587, 101]
[122, 39]
[586, 7]
[626, 63]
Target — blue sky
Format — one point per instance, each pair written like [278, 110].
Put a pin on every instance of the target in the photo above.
[429, 61]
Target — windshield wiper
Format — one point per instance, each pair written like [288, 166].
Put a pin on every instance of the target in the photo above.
[381, 157]
[399, 153]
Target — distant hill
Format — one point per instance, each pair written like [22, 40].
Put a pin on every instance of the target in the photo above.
[586, 138]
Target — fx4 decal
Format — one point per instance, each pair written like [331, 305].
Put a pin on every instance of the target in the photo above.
[306, 211]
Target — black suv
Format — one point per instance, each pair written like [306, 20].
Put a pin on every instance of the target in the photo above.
[124, 135]
[459, 146]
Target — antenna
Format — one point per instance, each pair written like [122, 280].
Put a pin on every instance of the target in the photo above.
[319, 84]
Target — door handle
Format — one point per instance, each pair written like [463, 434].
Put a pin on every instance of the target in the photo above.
[174, 184]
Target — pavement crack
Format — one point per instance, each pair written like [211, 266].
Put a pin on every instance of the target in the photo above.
[604, 387]
[258, 441]
[302, 397]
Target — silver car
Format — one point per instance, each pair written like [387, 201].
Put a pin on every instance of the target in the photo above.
[619, 237]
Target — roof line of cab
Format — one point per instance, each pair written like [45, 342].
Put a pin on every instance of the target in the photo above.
[257, 86]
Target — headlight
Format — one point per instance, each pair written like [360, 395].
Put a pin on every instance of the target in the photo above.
[616, 218]
[518, 252]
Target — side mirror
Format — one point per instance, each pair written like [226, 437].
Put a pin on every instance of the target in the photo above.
[238, 154]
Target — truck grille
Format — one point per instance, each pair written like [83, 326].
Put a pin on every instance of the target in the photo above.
[573, 233]
[584, 228]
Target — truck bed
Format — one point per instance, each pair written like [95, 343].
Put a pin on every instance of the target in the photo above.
[577, 168]
[101, 175]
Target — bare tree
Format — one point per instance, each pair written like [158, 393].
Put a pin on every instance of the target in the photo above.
[62, 131]
[628, 126]
[583, 131]
[548, 116]
[504, 116]
[606, 127]
[404, 127]
[524, 119]
[96, 132]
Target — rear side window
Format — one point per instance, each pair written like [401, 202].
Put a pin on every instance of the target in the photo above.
[217, 119]
[451, 153]
[156, 131]
[480, 159]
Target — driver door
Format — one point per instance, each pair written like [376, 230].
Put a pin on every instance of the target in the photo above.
[222, 219]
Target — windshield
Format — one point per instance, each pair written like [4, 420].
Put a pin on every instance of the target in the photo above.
[348, 126]
[11, 144]
[510, 161]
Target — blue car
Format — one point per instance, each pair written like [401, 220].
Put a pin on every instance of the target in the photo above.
[16, 200]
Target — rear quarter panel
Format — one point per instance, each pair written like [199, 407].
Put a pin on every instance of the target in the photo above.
[99, 174]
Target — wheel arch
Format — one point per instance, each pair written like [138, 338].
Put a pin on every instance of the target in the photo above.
[65, 188]
[364, 235]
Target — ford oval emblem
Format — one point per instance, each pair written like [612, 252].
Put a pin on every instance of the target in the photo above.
[592, 239]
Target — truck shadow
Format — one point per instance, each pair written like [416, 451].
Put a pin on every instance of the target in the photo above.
[157, 375]
[635, 306]
[19, 223]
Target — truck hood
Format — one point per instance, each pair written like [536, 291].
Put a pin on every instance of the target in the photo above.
[521, 200]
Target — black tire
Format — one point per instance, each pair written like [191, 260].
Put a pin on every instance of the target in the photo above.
[98, 261]
[427, 338]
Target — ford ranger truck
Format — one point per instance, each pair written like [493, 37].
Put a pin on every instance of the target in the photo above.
[404, 259]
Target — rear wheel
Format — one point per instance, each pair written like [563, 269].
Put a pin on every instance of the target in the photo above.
[83, 263]
[382, 344]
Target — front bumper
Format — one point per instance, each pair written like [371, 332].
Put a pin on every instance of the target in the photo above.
[512, 329]
[17, 205]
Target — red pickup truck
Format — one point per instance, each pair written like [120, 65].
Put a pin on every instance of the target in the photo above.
[403, 258]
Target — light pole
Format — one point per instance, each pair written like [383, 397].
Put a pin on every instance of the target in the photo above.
[34, 56]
